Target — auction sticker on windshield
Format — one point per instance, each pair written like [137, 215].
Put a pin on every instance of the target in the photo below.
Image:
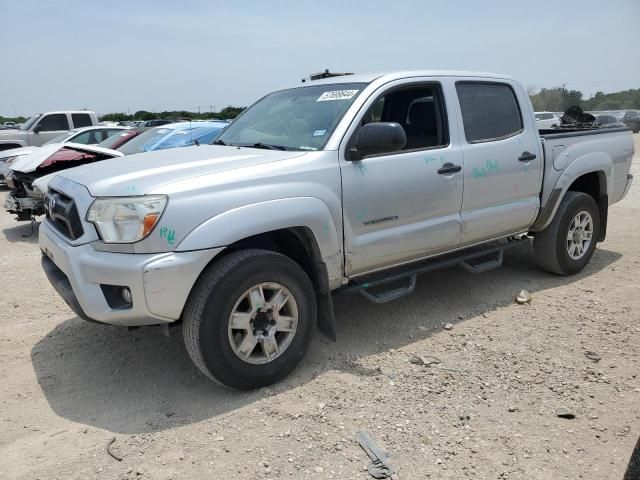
[337, 95]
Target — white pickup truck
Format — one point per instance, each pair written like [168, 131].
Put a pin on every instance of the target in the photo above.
[43, 127]
[348, 184]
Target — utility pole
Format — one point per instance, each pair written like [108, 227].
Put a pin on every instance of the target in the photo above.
[198, 109]
[211, 109]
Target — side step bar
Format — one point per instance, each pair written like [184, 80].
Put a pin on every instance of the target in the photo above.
[474, 260]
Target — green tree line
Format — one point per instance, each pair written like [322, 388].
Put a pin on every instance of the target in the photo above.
[558, 99]
[12, 119]
[226, 113]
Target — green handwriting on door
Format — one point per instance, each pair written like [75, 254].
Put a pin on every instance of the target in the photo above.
[490, 167]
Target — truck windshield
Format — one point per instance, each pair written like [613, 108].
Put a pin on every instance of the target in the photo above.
[297, 119]
[29, 123]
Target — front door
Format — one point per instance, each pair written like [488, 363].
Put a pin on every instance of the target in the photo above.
[49, 127]
[502, 161]
[397, 207]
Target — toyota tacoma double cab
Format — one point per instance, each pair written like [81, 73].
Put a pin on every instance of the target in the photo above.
[347, 184]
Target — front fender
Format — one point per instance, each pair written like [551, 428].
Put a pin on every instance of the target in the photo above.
[249, 220]
[598, 162]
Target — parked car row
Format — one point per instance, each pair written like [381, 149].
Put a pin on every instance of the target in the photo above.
[605, 119]
[28, 170]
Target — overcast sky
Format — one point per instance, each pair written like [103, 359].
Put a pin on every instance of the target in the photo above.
[159, 55]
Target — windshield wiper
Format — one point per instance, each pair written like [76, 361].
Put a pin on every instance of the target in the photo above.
[219, 142]
[266, 146]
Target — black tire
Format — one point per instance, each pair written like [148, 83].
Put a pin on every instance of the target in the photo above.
[206, 316]
[550, 245]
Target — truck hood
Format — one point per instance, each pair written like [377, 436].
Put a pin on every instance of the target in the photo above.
[10, 132]
[40, 155]
[144, 172]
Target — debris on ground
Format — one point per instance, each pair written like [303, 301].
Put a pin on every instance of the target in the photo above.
[111, 452]
[593, 356]
[523, 297]
[448, 326]
[380, 467]
[564, 412]
[424, 361]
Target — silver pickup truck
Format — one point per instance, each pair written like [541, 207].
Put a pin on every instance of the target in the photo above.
[43, 127]
[348, 184]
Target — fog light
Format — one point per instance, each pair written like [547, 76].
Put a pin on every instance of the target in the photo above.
[126, 295]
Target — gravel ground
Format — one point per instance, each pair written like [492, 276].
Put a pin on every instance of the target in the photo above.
[478, 400]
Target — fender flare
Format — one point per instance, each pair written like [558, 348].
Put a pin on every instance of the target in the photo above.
[246, 221]
[594, 162]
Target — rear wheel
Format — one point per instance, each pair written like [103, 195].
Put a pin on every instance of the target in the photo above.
[567, 244]
[249, 320]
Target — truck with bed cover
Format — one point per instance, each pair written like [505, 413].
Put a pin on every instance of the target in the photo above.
[345, 184]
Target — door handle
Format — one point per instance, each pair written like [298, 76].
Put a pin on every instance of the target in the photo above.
[449, 168]
[527, 157]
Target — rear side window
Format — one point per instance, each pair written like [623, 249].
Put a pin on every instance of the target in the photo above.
[54, 123]
[81, 120]
[489, 111]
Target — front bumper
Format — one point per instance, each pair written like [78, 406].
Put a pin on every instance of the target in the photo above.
[159, 283]
[14, 204]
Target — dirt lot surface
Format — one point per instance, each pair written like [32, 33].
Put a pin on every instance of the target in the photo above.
[483, 404]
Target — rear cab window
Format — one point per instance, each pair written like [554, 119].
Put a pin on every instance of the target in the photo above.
[81, 120]
[490, 111]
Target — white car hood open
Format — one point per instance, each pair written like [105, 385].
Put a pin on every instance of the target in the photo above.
[17, 152]
[31, 162]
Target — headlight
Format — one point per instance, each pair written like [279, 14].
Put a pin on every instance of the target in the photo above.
[126, 219]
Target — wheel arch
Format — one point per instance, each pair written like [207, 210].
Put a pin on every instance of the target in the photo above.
[591, 174]
[301, 228]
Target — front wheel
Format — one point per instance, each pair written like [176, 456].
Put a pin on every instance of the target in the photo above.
[249, 319]
[567, 244]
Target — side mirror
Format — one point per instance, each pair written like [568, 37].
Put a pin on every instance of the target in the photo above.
[37, 129]
[379, 137]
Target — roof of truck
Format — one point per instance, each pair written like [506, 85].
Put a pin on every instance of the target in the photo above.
[395, 75]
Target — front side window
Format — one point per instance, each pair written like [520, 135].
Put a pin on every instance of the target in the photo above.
[297, 119]
[81, 120]
[54, 123]
[489, 111]
[420, 112]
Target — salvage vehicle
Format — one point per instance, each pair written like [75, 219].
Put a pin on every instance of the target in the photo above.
[341, 185]
[83, 136]
[43, 127]
[31, 174]
[25, 199]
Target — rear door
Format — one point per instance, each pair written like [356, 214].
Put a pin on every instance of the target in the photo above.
[502, 159]
[397, 207]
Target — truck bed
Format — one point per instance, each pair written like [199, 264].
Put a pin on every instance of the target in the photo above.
[610, 147]
[577, 131]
